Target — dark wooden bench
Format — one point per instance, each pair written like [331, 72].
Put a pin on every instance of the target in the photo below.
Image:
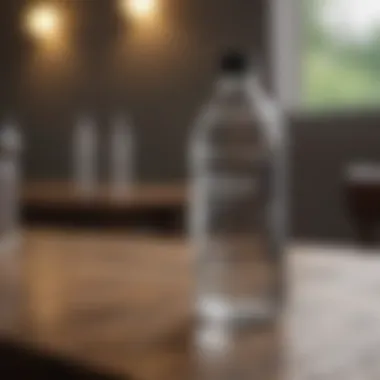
[148, 206]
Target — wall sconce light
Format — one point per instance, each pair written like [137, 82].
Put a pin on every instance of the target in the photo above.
[138, 8]
[43, 22]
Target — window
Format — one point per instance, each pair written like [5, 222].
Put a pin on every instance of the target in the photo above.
[332, 54]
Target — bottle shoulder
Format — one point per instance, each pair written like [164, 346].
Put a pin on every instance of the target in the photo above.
[240, 112]
[242, 123]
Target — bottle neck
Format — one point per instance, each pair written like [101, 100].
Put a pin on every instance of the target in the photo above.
[237, 82]
[228, 83]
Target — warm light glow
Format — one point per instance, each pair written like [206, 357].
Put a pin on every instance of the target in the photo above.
[139, 8]
[43, 21]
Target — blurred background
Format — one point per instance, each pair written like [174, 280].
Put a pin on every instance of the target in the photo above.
[158, 64]
[156, 61]
[104, 57]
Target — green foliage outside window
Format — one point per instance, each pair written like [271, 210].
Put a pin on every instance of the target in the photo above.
[338, 73]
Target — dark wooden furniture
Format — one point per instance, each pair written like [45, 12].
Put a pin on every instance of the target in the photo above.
[362, 189]
[155, 205]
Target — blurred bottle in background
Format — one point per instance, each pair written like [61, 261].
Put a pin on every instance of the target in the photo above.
[10, 226]
[121, 155]
[85, 156]
[10, 150]
[237, 215]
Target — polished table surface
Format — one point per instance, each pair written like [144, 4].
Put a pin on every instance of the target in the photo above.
[120, 303]
[114, 301]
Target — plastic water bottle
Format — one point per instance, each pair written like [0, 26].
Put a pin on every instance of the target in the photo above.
[121, 156]
[85, 155]
[10, 148]
[237, 202]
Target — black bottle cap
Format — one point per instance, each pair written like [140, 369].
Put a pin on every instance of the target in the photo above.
[234, 62]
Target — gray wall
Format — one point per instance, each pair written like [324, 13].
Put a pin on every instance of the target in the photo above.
[161, 75]
[322, 147]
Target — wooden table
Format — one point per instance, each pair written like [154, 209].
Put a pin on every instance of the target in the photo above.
[113, 301]
[120, 303]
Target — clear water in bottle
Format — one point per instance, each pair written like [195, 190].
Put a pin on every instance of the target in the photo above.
[236, 213]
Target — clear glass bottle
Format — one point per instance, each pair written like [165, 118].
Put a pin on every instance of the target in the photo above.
[121, 150]
[237, 202]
